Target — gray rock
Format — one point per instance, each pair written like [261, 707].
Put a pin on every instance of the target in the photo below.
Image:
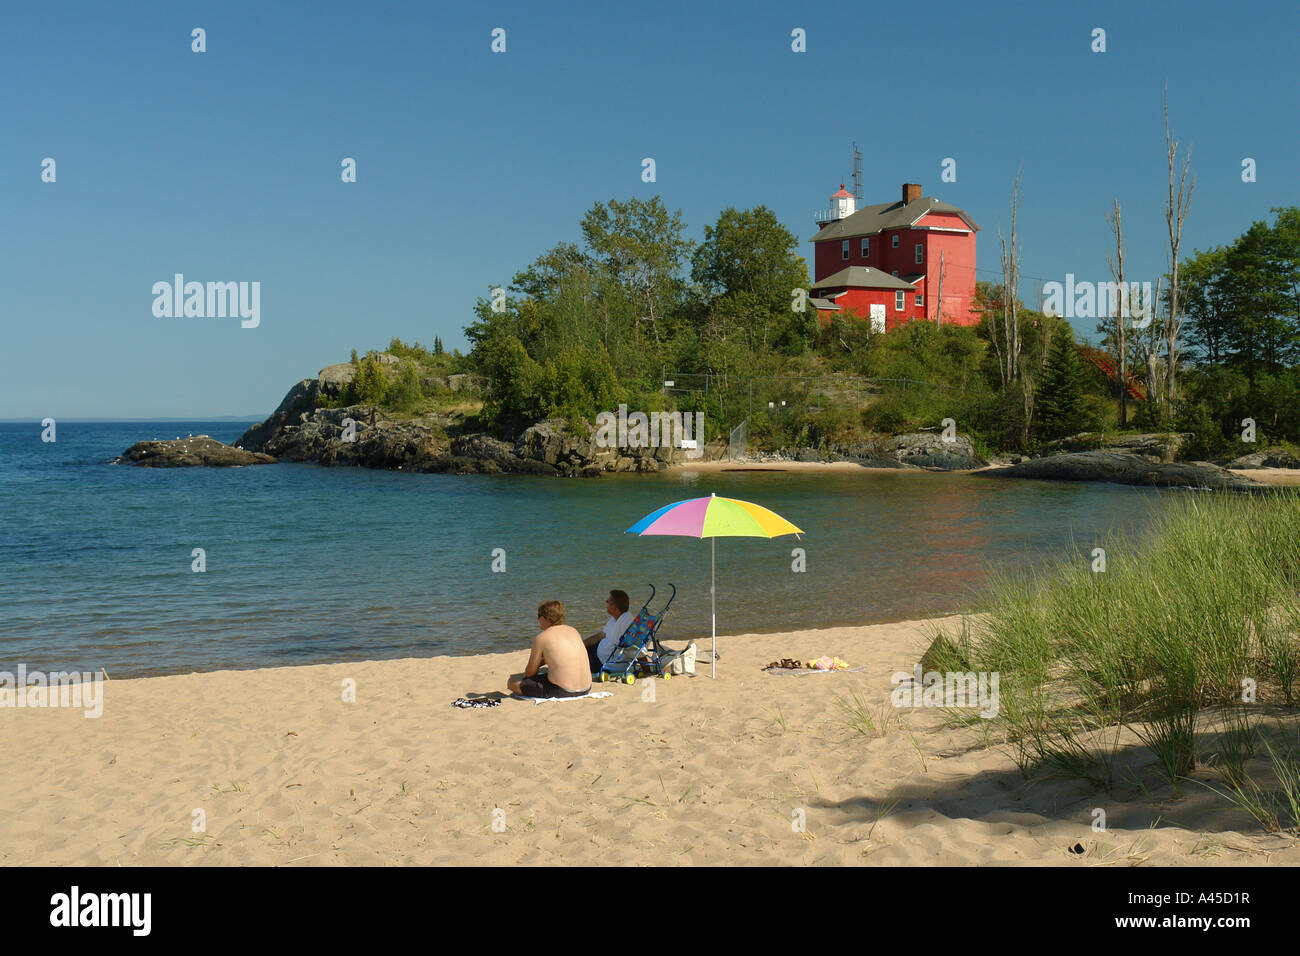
[1126, 469]
[198, 450]
[486, 448]
[1268, 458]
[930, 451]
[548, 441]
[332, 378]
[1158, 446]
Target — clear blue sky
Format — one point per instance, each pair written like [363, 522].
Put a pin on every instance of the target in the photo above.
[225, 165]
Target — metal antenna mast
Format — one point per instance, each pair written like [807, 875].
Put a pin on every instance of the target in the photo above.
[857, 175]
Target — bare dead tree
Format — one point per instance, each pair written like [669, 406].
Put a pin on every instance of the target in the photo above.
[1009, 354]
[1176, 207]
[1147, 345]
[1122, 309]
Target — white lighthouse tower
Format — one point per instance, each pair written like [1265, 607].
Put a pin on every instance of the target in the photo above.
[843, 205]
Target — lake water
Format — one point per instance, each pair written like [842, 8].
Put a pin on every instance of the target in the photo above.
[307, 564]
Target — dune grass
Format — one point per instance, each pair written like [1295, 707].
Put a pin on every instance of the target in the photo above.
[1201, 612]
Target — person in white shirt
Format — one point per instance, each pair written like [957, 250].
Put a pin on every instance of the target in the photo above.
[601, 644]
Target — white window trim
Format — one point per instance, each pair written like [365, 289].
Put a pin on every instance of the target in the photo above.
[920, 300]
[844, 251]
[900, 301]
[920, 253]
[866, 247]
[894, 241]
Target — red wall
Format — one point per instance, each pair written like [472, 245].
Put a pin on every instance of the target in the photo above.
[958, 269]
[861, 300]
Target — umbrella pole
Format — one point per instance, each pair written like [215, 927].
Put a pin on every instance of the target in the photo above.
[713, 605]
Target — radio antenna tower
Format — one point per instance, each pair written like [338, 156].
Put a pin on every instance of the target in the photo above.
[857, 175]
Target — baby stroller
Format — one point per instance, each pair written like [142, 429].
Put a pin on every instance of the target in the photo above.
[638, 650]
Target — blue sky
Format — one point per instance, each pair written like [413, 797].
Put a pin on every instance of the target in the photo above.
[225, 165]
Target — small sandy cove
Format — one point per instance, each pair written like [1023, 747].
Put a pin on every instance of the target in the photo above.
[751, 768]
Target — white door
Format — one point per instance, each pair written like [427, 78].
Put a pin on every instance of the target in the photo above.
[877, 318]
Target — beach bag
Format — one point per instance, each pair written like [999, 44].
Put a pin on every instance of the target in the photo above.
[680, 662]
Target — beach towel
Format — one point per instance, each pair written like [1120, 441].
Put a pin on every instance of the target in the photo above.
[476, 702]
[804, 671]
[547, 700]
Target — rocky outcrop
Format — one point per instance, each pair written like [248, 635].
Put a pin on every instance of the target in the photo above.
[934, 452]
[1157, 446]
[1268, 458]
[918, 450]
[294, 408]
[299, 430]
[190, 452]
[1127, 469]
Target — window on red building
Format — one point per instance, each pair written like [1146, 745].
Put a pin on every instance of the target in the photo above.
[865, 247]
[894, 240]
[920, 300]
[898, 301]
[844, 249]
[920, 253]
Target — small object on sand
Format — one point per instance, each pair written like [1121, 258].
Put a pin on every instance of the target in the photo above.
[465, 702]
[785, 663]
[829, 664]
[1077, 848]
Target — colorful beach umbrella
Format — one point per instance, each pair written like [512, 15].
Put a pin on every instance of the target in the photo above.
[714, 517]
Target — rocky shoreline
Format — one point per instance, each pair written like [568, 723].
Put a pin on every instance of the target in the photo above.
[1127, 469]
[303, 428]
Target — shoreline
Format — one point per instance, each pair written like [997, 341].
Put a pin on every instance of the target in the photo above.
[811, 466]
[753, 768]
[1279, 477]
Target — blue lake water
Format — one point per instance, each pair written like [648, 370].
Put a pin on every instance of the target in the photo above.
[307, 564]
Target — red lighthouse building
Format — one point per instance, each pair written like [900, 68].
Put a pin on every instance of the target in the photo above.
[888, 262]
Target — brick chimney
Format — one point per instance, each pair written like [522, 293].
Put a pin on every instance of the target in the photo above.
[911, 191]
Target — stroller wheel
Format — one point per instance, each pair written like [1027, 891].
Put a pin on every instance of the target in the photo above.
[604, 677]
[667, 676]
[630, 678]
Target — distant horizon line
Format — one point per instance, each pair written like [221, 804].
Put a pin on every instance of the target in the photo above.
[101, 418]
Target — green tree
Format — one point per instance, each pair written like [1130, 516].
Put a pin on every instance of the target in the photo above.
[369, 386]
[644, 250]
[749, 257]
[513, 398]
[1059, 402]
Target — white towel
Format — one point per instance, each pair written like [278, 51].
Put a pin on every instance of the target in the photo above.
[547, 700]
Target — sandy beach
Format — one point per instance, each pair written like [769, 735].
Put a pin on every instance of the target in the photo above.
[706, 467]
[685, 771]
[1270, 476]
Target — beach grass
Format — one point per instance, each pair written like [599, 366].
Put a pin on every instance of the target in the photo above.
[1201, 613]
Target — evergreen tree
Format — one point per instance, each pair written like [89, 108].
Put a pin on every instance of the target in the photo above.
[437, 345]
[1060, 399]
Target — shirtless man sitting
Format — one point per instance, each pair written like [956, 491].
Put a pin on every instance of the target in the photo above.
[560, 648]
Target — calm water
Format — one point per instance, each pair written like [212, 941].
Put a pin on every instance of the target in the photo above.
[308, 564]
